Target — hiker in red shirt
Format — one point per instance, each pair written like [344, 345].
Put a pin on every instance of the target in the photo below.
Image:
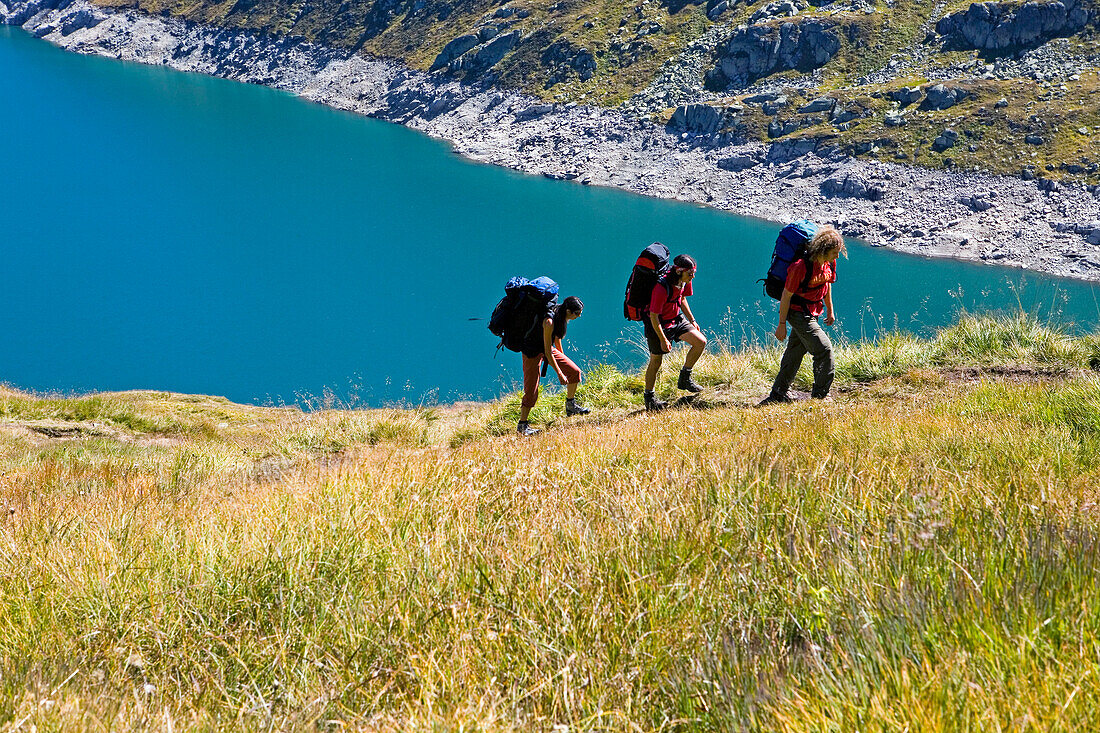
[806, 294]
[670, 319]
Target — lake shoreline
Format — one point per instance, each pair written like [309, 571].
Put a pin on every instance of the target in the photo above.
[1038, 225]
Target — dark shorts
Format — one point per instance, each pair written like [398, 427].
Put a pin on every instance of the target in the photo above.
[673, 332]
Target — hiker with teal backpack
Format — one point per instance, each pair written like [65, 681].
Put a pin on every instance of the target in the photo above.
[528, 319]
[668, 318]
[807, 276]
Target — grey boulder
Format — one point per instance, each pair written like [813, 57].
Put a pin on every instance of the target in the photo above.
[775, 106]
[777, 128]
[894, 119]
[941, 96]
[851, 185]
[947, 139]
[736, 163]
[537, 110]
[702, 119]
[821, 104]
[977, 203]
[906, 95]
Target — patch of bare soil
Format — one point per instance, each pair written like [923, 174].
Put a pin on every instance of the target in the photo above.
[42, 432]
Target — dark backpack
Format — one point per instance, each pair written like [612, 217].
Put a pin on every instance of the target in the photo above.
[651, 266]
[524, 306]
[790, 246]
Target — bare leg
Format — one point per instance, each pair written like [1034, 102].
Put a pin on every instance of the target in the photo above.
[651, 371]
[570, 390]
[698, 343]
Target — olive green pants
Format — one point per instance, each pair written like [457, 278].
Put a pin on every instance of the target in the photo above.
[806, 335]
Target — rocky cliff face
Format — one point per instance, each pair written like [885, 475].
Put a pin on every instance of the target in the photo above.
[997, 27]
[760, 50]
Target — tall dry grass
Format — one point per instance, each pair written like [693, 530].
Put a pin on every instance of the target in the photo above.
[920, 554]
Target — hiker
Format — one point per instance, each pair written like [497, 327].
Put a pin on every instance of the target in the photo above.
[670, 319]
[807, 293]
[543, 346]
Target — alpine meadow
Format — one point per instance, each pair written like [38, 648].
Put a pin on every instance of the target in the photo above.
[919, 553]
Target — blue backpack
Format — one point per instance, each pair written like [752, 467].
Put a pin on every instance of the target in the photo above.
[524, 306]
[790, 246]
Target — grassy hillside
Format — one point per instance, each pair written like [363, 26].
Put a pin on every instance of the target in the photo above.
[920, 553]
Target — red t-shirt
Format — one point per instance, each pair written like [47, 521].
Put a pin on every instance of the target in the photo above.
[818, 285]
[667, 305]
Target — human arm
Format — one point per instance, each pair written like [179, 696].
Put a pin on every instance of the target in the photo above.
[784, 308]
[656, 322]
[687, 312]
[830, 318]
[548, 348]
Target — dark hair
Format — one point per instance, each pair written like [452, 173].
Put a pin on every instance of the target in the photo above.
[572, 304]
[680, 263]
[684, 262]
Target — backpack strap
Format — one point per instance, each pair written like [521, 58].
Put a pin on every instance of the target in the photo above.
[666, 281]
[809, 273]
[797, 299]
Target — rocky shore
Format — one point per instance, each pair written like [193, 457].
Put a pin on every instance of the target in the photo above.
[1038, 224]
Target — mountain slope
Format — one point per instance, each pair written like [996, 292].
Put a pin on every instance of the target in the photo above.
[1040, 58]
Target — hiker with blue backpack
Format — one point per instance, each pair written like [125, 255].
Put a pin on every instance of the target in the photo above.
[804, 262]
[529, 320]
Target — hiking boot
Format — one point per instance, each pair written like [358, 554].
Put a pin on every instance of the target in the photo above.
[687, 383]
[572, 408]
[652, 404]
[775, 399]
[526, 430]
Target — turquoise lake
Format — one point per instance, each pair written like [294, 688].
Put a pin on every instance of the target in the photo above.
[177, 232]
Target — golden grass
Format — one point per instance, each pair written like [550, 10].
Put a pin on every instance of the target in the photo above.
[920, 553]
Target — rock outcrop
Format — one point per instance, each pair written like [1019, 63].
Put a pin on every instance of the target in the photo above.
[756, 51]
[455, 48]
[941, 96]
[474, 53]
[850, 184]
[704, 119]
[997, 26]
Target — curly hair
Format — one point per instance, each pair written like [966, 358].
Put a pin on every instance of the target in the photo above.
[827, 238]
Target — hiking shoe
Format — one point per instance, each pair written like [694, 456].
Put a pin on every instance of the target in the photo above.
[687, 383]
[775, 399]
[572, 408]
[652, 404]
[526, 430]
